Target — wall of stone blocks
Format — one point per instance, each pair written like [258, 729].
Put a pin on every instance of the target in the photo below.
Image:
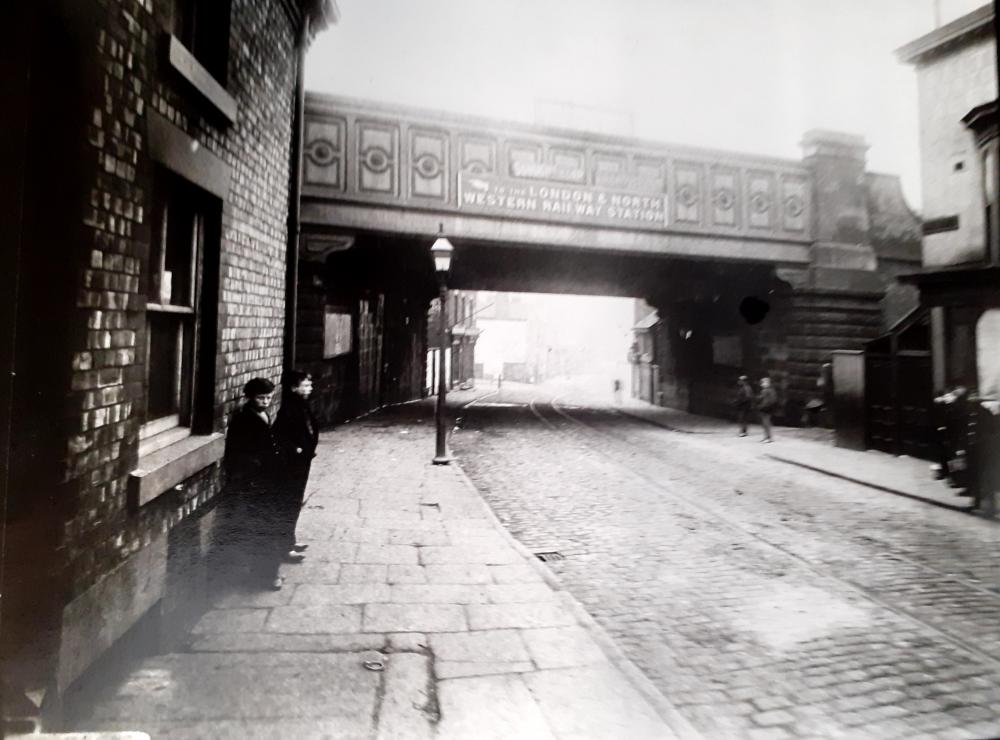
[819, 323]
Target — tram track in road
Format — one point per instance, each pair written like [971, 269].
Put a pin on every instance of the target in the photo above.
[740, 618]
[756, 534]
[895, 552]
[881, 544]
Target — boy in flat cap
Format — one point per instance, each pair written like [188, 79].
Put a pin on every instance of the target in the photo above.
[251, 464]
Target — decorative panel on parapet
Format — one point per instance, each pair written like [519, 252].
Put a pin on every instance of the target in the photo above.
[429, 164]
[323, 155]
[570, 163]
[794, 203]
[369, 156]
[609, 168]
[651, 173]
[760, 200]
[377, 157]
[521, 155]
[725, 197]
[688, 177]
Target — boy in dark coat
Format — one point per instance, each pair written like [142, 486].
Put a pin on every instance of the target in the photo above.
[251, 463]
[767, 404]
[297, 434]
[251, 453]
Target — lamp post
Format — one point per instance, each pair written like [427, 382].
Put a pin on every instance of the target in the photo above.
[441, 251]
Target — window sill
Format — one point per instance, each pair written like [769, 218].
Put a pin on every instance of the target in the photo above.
[156, 442]
[188, 67]
[168, 308]
[160, 471]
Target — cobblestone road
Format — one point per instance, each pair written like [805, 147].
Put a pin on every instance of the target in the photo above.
[764, 600]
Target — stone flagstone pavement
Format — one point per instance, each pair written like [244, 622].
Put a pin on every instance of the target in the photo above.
[408, 567]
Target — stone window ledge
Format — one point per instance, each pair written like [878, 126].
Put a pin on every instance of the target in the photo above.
[160, 471]
[188, 67]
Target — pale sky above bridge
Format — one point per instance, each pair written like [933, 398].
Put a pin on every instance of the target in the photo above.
[745, 75]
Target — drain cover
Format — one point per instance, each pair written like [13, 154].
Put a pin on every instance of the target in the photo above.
[547, 557]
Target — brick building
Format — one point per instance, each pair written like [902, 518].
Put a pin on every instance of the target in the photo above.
[506, 323]
[154, 173]
[461, 334]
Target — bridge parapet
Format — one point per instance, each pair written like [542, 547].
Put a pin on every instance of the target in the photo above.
[363, 153]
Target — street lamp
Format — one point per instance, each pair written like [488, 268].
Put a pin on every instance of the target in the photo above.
[441, 251]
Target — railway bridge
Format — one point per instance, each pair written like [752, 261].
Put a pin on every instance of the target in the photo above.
[814, 244]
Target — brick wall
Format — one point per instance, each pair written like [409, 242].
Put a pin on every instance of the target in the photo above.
[105, 403]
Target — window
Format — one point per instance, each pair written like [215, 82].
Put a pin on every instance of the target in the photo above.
[184, 221]
[203, 27]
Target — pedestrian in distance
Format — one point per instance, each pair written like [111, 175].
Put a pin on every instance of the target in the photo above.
[767, 403]
[251, 462]
[296, 434]
[618, 392]
[744, 403]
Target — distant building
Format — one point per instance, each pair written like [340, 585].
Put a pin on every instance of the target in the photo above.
[462, 333]
[534, 337]
[504, 346]
[960, 281]
[645, 381]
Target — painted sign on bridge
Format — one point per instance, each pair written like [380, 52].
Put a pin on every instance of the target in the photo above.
[492, 195]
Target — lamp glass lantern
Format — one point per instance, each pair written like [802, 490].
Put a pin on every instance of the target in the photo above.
[442, 251]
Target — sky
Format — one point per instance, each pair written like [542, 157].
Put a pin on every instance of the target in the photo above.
[741, 75]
